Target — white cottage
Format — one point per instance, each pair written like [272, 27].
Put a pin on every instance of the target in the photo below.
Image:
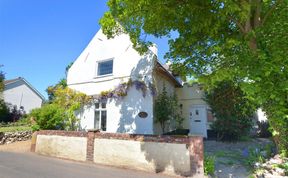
[105, 64]
[20, 93]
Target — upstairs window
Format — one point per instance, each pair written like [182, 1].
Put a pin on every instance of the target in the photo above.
[105, 68]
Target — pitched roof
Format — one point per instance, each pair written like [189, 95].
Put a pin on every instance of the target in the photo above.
[168, 74]
[7, 82]
[11, 81]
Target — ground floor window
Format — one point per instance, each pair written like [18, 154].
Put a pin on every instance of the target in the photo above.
[100, 116]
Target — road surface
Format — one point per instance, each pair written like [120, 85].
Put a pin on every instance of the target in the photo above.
[29, 165]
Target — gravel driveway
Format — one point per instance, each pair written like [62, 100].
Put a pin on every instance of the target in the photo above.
[228, 157]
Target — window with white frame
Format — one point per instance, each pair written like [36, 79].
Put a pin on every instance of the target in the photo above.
[105, 67]
[100, 116]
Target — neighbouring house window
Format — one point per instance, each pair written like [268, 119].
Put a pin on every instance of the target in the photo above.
[105, 68]
[100, 117]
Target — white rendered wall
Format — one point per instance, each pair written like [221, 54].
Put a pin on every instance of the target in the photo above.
[20, 94]
[62, 146]
[189, 96]
[169, 158]
[122, 115]
[127, 63]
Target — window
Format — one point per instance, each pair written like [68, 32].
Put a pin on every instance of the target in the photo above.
[105, 68]
[100, 117]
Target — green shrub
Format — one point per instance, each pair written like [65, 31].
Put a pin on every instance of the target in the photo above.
[233, 111]
[4, 111]
[50, 116]
[167, 110]
[209, 165]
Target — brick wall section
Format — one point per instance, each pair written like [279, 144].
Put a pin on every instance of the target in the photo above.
[194, 144]
[144, 138]
[196, 151]
[90, 146]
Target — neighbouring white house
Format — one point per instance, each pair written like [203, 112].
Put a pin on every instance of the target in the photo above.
[106, 64]
[20, 93]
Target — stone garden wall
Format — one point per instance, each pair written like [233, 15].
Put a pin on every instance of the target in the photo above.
[10, 137]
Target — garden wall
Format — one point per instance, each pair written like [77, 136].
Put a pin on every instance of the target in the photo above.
[10, 137]
[168, 154]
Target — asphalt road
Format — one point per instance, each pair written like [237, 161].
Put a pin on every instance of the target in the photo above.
[29, 165]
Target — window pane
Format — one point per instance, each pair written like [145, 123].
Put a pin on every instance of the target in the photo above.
[103, 120]
[103, 105]
[96, 119]
[105, 68]
[97, 105]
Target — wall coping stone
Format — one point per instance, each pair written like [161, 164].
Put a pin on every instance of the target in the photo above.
[123, 136]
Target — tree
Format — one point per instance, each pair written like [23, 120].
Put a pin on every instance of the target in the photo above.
[51, 89]
[167, 109]
[233, 111]
[217, 40]
[2, 78]
[62, 83]
[4, 110]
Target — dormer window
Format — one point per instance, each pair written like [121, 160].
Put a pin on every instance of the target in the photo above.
[105, 67]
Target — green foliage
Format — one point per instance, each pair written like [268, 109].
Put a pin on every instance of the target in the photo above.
[233, 111]
[253, 157]
[60, 113]
[209, 165]
[21, 125]
[2, 78]
[51, 89]
[15, 128]
[167, 109]
[48, 117]
[218, 40]
[4, 111]
[70, 101]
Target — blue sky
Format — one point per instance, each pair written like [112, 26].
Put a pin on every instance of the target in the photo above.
[39, 38]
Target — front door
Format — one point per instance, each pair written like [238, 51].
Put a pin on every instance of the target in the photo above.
[198, 119]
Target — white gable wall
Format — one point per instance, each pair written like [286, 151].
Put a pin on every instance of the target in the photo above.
[19, 94]
[127, 63]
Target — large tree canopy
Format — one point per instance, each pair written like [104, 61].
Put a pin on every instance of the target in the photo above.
[218, 40]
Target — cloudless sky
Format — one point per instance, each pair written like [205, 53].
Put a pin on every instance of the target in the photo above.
[39, 38]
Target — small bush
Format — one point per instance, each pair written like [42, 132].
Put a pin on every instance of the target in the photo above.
[50, 116]
[10, 113]
[209, 165]
[4, 111]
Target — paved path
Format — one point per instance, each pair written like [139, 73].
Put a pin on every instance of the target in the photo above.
[19, 147]
[29, 165]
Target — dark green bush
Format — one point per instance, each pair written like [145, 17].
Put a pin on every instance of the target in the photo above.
[50, 116]
[4, 112]
[233, 111]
